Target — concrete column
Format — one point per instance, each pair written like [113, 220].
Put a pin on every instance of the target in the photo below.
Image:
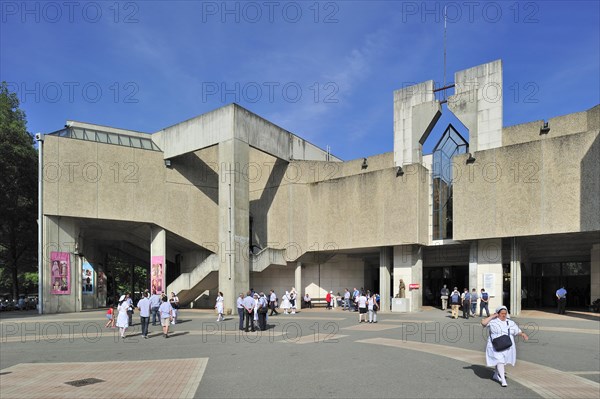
[158, 247]
[515, 277]
[298, 285]
[234, 262]
[385, 264]
[489, 263]
[408, 266]
[473, 262]
[595, 273]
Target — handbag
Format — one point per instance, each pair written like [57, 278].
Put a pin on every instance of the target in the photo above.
[502, 342]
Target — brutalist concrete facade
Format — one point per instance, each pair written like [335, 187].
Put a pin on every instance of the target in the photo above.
[233, 201]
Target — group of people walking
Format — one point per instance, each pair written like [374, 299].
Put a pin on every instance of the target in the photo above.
[159, 307]
[467, 300]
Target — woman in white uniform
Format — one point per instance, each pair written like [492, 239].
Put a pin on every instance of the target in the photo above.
[123, 317]
[219, 307]
[499, 324]
[174, 301]
[285, 302]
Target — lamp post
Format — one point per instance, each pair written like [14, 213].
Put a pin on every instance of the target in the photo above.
[40, 140]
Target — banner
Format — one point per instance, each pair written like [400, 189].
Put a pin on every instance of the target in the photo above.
[60, 272]
[87, 276]
[157, 276]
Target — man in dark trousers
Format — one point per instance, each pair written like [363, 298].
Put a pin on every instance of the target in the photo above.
[561, 295]
[466, 304]
[248, 311]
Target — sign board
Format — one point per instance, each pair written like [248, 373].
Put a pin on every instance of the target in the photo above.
[414, 286]
[489, 280]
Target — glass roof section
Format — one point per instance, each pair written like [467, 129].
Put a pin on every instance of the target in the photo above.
[107, 138]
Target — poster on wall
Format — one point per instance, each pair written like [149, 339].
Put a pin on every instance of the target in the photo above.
[157, 276]
[489, 279]
[87, 277]
[60, 273]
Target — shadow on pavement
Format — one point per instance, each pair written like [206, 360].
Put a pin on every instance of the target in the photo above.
[485, 373]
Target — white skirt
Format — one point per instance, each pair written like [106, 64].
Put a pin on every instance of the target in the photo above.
[123, 320]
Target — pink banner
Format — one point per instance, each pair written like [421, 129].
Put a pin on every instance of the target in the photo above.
[60, 273]
[157, 275]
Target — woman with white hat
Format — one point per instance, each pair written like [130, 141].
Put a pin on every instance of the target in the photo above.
[500, 349]
[123, 317]
[285, 303]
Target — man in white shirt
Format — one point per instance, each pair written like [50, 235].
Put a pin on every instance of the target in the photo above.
[240, 309]
[249, 311]
[362, 307]
[143, 306]
[273, 303]
[346, 300]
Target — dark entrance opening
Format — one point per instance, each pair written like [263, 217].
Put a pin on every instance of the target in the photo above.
[434, 279]
[541, 280]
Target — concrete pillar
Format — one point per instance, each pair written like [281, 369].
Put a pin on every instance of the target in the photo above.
[385, 264]
[473, 262]
[595, 273]
[234, 262]
[515, 277]
[408, 266]
[158, 255]
[298, 284]
[489, 270]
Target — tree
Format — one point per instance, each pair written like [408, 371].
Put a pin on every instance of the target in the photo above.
[18, 191]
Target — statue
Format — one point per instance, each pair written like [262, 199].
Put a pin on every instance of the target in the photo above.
[401, 290]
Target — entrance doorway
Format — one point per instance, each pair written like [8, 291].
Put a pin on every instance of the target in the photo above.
[434, 279]
[541, 280]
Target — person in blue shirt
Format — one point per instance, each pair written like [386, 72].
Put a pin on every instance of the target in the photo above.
[561, 295]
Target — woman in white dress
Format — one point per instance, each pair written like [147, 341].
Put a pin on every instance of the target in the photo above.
[123, 317]
[219, 307]
[285, 303]
[499, 324]
[174, 301]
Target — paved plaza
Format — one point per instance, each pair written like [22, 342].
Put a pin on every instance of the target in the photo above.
[314, 354]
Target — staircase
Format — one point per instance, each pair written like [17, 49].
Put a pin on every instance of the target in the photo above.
[188, 286]
[266, 258]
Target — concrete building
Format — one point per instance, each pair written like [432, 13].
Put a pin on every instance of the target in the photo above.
[228, 200]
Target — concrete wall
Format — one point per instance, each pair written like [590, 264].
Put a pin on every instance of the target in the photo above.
[540, 187]
[559, 126]
[338, 273]
[60, 235]
[303, 206]
[96, 180]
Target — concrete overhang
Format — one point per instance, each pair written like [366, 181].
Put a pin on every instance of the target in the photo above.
[235, 122]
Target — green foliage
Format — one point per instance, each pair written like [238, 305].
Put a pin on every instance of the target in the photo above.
[18, 193]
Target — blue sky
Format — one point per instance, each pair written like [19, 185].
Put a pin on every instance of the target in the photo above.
[323, 70]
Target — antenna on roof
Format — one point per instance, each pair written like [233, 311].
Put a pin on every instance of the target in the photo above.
[445, 18]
